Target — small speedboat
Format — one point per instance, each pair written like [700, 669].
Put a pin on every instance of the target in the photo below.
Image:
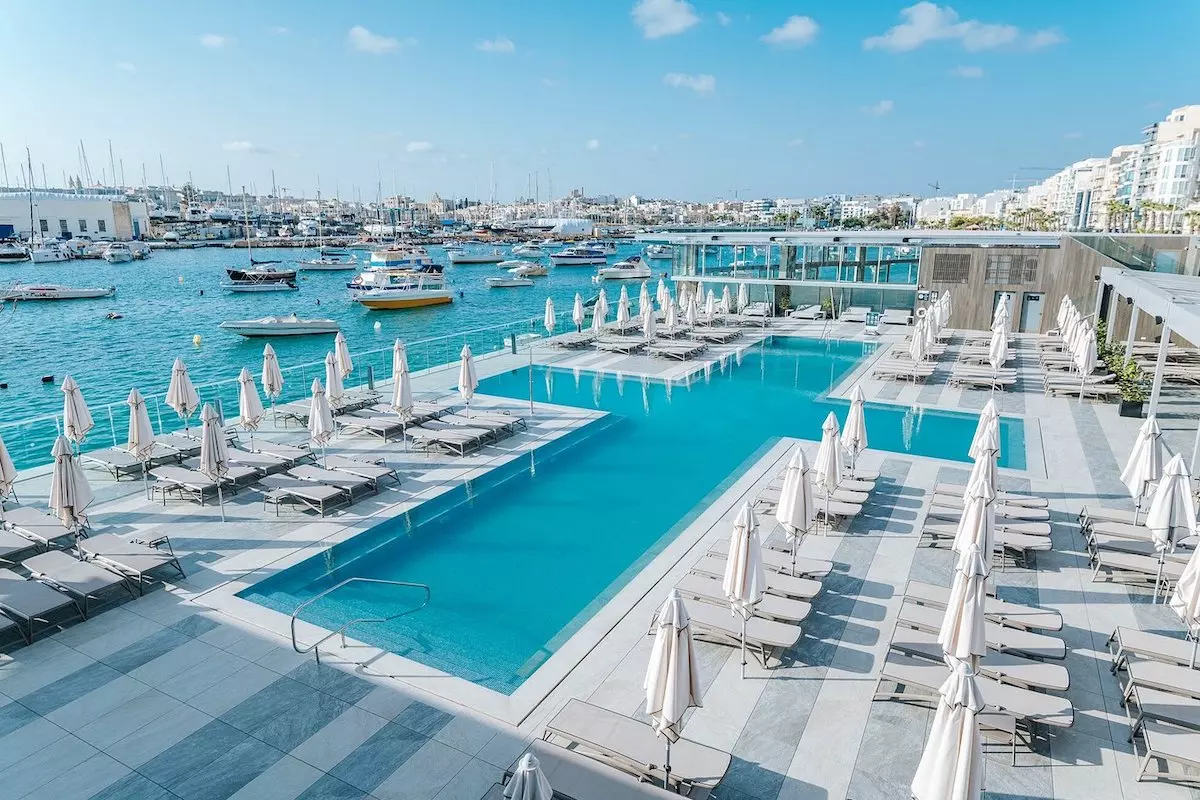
[469, 257]
[12, 251]
[515, 263]
[117, 253]
[291, 325]
[606, 247]
[630, 269]
[577, 256]
[528, 251]
[659, 251]
[511, 282]
[529, 270]
[52, 291]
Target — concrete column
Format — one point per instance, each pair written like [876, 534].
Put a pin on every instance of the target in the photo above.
[1156, 387]
[1112, 313]
[1099, 300]
[1196, 450]
[1133, 320]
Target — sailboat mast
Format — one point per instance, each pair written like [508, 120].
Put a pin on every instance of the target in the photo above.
[246, 224]
[29, 160]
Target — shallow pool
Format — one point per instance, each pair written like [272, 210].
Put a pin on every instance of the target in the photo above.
[518, 560]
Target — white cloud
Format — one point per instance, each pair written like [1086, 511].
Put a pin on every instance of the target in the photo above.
[700, 84]
[795, 143]
[551, 82]
[242, 146]
[501, 44]
[125, 66]
[879, 109]
[419, 147]
[967, 72]
[928, 22]
[279, 30]
[685, 136]
[214, 40]
[658, 18]
[724, 18]
[1072, 135]
[592, 144]
[796, 31]
[364, 41]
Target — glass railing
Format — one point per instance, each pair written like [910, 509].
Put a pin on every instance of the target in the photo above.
[1146, 253]
[29, 441]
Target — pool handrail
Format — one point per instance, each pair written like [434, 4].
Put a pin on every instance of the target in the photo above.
[315, 647]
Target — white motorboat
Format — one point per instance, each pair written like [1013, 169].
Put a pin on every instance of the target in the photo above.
[329, 263]
[12, 251]
[117, 253]
[52, 291]
[388, 289]
[140, 250]
[551, 242]
[401, 256]
[577, 256]
[511, 282]
[475, 257]
[529, 251]
[606, 247]
[631, 268]
[291, 325]
[47, 252]
[659, 251]
[528, 269]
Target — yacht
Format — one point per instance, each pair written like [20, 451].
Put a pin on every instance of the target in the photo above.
[220, 214]
[577, 256]
[509, 282]
[52, 291]
[530, 270]
[608, 248]
[48, 251]
[551, 242]
[11, 251]
[329, 261]
[401, 288]
[401, 256]
[630, 269]
[517, 263]
[117, 253]
[659, 251]
[266, 279]
[291, 325]
[529, 250]
[469, 257]
[140, 250]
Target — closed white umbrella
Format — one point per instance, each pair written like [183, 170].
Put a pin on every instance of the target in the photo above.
[140, 443]
[70, 494]
[977, 525]
[644, 300]
[997, 352]
[946, 302]
[320, 418]
[600, 311]
[250, 407]
[528, 781]
[549, 319]
[1060, 317]
[662, 295]
[1145, 464]
[181, 395]
[726, 300]
[929, 331]
[577, 312]
[743, 298]
[1085, 357]
[623, 307]
[951, 766]
[1185, 600]
[334, 390]
[672, 681]
[698, 292]
[691, 313]
[467, 382]
[272, 376]
[402, 400]
[8, 477]
[917, 347]
[671, 320]
[795, 510]
[827, 468]
[987, 417]
[1172, 514]
[1000, 316]
[341, 352]
[77, 420]
[649, 322]
[854, 434]
[985, 462]
[745, 580]
[710, 304]
[214, 451]
[962, 634]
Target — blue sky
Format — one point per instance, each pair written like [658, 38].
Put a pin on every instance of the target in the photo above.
[691, 99]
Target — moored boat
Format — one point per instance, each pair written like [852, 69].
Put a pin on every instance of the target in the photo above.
[11, 251]
[52, 291]
[291, 325]
[630, 269]
[529, 251]
[264, 279]
[475, 257]
[659, 251]
[401, 256]
[577, 256]
[117, 253]
[48, 252]
[510, 282]
[388, 289]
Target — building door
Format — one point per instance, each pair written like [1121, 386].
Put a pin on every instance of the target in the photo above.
[1008, 298]
[137, 230]
[1031, 312]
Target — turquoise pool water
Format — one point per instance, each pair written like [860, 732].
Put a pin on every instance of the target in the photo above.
[520, 559]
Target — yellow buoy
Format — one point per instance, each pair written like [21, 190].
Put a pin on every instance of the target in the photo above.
[196, 340]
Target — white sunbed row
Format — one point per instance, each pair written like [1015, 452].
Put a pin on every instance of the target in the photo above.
[897, 369]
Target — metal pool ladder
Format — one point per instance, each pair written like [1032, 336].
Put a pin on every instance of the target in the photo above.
[315, 646]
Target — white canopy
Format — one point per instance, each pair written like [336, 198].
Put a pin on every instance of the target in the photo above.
[827, 468]
[549, 320]
[745, 581]
[250, 407]
[854, 434]
[467, 382]
[1145, 464]
[672, 682]
[962, 635]
[662, 295]
[795, 510]
[743, 298]
[320, 418]
[77, 420]
[998, 349]
[1172, 514]
[710, 304]
[671, 320]
[70, 494]
[272, 377]
[648, 322]
[916, 347]
[341, 351]
[988, 417]
[692, 312]
[140, 443]
[333, 381]
[644, 302]
[577, 311]
[977, 526]
[181, 395]
[214, 451]
[951, 766]
[600, 311]
[623, 307]
[726, 300]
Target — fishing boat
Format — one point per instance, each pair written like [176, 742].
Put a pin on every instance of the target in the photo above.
[659, 251]
[630, 269]
[577, 256]
[48, 252]
[265, 279]
[52, 291]
[473, 257]
[529, 250]
[117, 253]
[401, 288]
[509, 282]
[11, 251]
[291, 325]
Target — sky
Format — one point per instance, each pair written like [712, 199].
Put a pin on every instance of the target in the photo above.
[692, 99]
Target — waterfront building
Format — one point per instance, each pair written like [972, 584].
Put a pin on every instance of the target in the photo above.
[59, 215]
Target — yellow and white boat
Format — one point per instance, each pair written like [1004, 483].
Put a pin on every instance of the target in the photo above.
[400, 288]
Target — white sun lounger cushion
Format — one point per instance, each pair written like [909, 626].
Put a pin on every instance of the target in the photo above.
[999, 638]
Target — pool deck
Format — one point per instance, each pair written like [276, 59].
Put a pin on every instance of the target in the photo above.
[180, 694]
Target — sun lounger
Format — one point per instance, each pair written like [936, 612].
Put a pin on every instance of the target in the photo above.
[1092, 514]
[35, 525]
[854, 314]
[1135, 567]
[764, 637]
[27, 602]
[494, 427]
[118, 462]
[898, 370]
[716, 335]
[181, 481]
[1131, 642]
[573, 340]
[999, 638]
[317, 497]
[1143, 705]
[578, 777]
[1169, 744]
[184, 446]
[895, 316]
[780, 584]
[680, 351]
[510, 421]
[363, 469]
[780, 562]
[961, 378]
[632, 746]
[132, 559]
[265, 463]
[1139, 547]
[332, 477]
[1026, 705]
[1031, 534]
[1008, 498]
[1012, 512]
[703, 588]
[457, 442]
[386, 428]
[1177, 679]
[1097, 391]
[808, 313]
[235, 477]
[1012, 615]
[1004, 667]
[297, 410]
[13, 544]
[81, 580]
[292, 454]
[620, 344]
[477, 431]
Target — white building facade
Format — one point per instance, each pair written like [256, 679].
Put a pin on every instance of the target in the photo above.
[63, 216]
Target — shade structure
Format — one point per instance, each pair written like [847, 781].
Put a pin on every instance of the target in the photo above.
[743, 298]
[1060, 316]
[402, 400]
[214, 451]
[549, 319]
[577, 312]
[528, 782]
[600, 311]
[644, 301]
[272, 376]
[745, 581]
[998, 350]
[662, 295]
[916, 346]
[320, 418]
[623, 307]
[795, 511]
[692, 312]
[929, 331]
[951, 766]
[854, 433]
[985, 465]
[962, 634]
[988, 417]
[1172, 513]
[649, 323]
[334, 389]
[671, 320]
[698, 292]
[827, 467]
[8, 477]
[726, 300]
[672, 683]
[77, 420]
[341, 352]
[181, 394]
[70, 494]
[947, 302]
[250, 407]
[1145, 464]
[977, 525]
[140, 442]
[467, 381]
[1001, 315]
[710, 304]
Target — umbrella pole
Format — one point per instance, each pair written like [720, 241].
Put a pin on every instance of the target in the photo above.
[1195, 643]
[220, 500]
[795, 536]
[743, 616]
[1162, 557]
[146, 478]
[667, 768]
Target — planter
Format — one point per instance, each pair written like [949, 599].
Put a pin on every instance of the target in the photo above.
[1130, 408]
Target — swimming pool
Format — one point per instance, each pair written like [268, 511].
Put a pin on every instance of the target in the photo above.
[520, 559]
